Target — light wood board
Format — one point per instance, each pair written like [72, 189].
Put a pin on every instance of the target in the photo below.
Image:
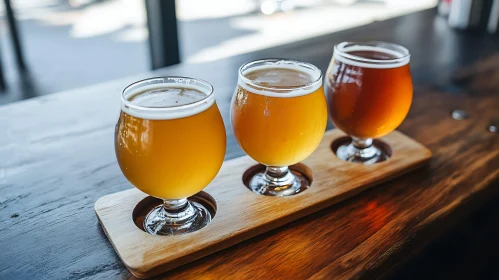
[242, 214]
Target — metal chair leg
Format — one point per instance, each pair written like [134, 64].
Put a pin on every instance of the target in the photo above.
[3, 84]
[14, 34]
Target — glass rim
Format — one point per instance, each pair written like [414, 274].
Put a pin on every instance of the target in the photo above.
[274, 60]
[129, 104]
[339, 49]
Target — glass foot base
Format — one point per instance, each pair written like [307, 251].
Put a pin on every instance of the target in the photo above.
[292, 183]
[370, 155]
[192, 217]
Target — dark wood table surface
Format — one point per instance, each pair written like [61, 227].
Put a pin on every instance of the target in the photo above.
[57, 158]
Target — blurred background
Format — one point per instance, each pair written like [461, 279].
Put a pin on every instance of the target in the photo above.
[67, 44]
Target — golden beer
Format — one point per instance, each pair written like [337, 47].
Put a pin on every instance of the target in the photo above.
[279, 115]
[170, 143]
[158, 156]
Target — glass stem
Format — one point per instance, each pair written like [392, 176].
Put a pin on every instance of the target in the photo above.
[362, 143]
[279, 175]
[362, 148]
[176, 210]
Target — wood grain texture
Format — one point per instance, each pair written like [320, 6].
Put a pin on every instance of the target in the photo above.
[242, 214]
[468, 251]
[57, 158]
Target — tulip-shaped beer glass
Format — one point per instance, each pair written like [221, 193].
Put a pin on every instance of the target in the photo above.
[278, 115]
[369, 92]
[170, 143]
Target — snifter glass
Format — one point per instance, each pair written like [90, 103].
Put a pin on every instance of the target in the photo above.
[278, 115]
[369, 91]
[170, 143]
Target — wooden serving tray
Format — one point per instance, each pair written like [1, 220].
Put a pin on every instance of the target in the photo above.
[242, 214]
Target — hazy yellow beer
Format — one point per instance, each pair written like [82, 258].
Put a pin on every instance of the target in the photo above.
[170, 143]
[279, 115]
[278, 127]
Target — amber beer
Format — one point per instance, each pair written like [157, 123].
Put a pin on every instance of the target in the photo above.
[369, 90]
[277, 119]
[170, 153]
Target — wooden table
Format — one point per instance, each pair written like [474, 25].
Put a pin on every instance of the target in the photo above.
[57, 158]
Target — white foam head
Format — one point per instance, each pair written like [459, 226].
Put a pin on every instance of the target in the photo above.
[260, 84]
[399, 55]
[167, 98]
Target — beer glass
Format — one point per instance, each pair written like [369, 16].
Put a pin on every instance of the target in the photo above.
[278, 115]
[170, 143]
[369, 91]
